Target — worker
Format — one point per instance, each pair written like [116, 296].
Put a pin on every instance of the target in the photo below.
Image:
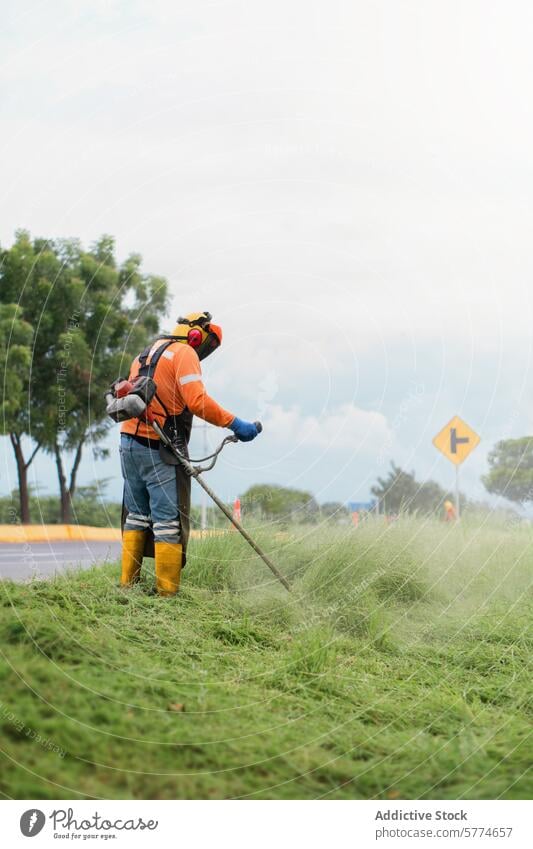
[449, 511]
[156, 505]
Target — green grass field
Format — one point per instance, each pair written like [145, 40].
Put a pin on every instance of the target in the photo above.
[397, 669]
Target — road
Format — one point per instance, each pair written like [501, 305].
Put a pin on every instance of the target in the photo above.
[43, 559]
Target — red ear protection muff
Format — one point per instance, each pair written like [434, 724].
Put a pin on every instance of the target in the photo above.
[203, 336]
[194, 337]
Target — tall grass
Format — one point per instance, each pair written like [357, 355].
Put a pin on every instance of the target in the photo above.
[398, 666]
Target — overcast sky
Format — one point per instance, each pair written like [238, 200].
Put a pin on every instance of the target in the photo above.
[345, 185]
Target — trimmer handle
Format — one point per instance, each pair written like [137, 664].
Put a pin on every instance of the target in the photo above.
[236, 439]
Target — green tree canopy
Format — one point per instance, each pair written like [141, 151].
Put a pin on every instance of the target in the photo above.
[15, 363]
[89, 317]
[511, 469]
[15, 358]
[400, 492]
[278, 502]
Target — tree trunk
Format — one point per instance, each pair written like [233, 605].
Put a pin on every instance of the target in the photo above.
[64, 500]
[75, 467]
[66, 493]
[22, 473]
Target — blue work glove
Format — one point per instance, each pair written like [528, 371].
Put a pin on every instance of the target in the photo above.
[245, 431]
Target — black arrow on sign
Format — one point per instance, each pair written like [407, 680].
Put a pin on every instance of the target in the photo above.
[456, 440]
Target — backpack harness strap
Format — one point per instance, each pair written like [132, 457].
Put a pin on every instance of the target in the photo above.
[147, 369]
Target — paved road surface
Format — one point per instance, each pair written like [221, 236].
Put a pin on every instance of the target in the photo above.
[42, 559]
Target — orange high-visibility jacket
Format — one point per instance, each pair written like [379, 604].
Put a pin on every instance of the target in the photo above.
[179, 384]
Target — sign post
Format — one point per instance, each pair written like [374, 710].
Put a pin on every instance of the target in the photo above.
[456, 441]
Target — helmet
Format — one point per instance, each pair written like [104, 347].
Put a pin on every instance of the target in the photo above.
[196, 330]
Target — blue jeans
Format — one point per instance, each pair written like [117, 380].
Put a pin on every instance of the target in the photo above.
[150, 491]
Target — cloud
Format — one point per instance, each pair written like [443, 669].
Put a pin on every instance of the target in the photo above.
[346, 428]
[334, 455]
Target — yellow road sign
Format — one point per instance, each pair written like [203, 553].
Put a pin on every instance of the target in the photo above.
[456, 440]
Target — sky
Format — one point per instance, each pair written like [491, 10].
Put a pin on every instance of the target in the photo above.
[346, 186]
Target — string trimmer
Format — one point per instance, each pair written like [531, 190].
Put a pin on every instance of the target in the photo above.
[131, 400]
[196, 472]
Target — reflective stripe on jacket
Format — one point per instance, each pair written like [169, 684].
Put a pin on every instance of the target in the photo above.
[179, 384]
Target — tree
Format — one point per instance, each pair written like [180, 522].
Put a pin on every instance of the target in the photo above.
[401, 492]
[278, 502]
[103, 336]
[511, 469]
[16, 268]
[90, 318]
[15, 359]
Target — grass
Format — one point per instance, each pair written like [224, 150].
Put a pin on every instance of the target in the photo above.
[397, 668]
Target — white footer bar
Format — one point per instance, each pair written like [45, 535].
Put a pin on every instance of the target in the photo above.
[268, 824]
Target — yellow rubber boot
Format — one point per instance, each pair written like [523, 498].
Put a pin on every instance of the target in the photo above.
[132, 556]
[168, 560]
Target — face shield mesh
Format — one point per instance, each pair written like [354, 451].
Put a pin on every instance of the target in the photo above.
[211, 342]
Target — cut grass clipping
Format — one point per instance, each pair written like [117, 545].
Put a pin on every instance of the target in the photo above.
[397, 668]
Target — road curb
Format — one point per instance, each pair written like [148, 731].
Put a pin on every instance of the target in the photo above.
[74, 533]
[57, 533]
